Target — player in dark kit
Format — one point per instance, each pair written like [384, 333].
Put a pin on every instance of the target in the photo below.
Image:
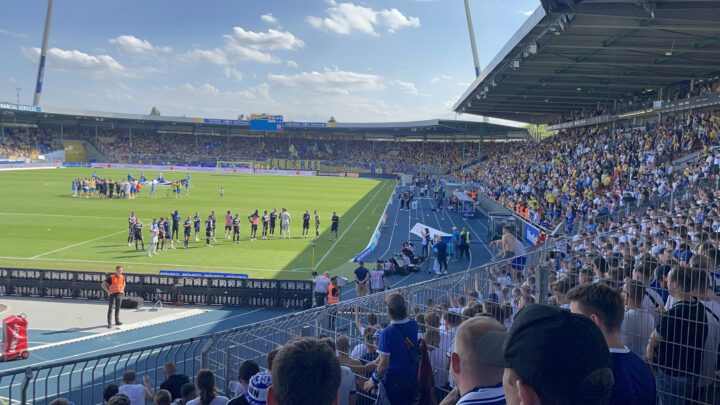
[213, 219]
[161, 233]
[175, 226]
[196, 225]
[273, 220]
[335, 224]
[137, 234]
[306, 224]
[317, 224]
[208, 230]
[187, 226]
[236, 229]
[254, 219]
[166, 225]
[265, 222]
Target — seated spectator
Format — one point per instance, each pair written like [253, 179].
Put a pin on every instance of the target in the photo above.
[173, 380]
[109, 392]
[540, 354]
[305, 371]
[476, 381]
[205, 382]
[248, 368]
[187, 394]
[137, 393]
[603, 305]
[162, 397]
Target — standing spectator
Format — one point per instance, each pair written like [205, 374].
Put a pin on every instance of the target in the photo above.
[120, 399]
[425, 235]
[638, 322]
[321, 288]
[603, 305]
[676, 344]
[397, 362]
[333, 300]
[441, 255]
[247, 369]
[477, 382]
[162, 397]
[464, 244]
[205, 382]
[187, 394]
[109, 392]
[541, 354]
[173, 381]
[362, 276]
[347, 391]
[137, 393]
[256, 391]
[305, 371]
[378, 281]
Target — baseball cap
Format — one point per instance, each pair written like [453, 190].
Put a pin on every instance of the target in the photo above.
[257, 389]
[557, 353]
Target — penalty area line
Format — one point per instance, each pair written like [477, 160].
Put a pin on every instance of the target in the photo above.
[77, 244]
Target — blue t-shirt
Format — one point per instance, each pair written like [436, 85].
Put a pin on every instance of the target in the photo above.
[634, 382]
[392, 343]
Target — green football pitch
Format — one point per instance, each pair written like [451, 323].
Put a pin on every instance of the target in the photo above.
[44, 227]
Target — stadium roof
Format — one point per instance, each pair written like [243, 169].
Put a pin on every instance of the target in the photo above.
[19, 114]
[574, 54]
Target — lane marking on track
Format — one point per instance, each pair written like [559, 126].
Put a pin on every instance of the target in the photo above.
[77, 244]
[322, 259]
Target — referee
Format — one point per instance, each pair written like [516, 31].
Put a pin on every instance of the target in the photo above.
[114, 286]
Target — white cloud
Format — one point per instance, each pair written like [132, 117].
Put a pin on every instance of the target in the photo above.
[406, 87]
[291, 64]
[13, 34]
[269, 18]
[76, 60]
[216, 56]
[243, 45]
[332, 81]
[438, 79]
[526, 13]
[232, 73]
[120, 97]
[133, 44]
[345, 18]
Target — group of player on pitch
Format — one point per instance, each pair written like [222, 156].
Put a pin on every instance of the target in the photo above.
[166, 231]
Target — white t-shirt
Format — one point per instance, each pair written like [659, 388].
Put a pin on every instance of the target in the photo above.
[285, 218]
[358, 351]
[135, 392]
[219, 400]
[651, 301]
[347, 385]
[636, 328]
[438, 362]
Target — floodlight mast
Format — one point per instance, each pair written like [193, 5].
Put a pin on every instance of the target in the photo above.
[43, 54]
[473, 45]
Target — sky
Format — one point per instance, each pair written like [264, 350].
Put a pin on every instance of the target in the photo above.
[355, 60]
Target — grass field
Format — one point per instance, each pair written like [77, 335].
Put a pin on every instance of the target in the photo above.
[43, 226]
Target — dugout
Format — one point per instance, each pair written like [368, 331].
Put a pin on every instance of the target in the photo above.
[497, 220]
[466, 205]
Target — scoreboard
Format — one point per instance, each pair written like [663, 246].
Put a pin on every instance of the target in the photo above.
[266, 122]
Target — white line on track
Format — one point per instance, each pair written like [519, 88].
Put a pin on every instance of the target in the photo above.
[377, 193]
[77, 244]
[39, 214]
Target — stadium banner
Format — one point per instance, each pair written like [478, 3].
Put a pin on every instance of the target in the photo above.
[266, 122]
[202, 169]
[292, 164]
[375, 238]
[339, 174]
[532, 234]
[27, 166]
[20, 107]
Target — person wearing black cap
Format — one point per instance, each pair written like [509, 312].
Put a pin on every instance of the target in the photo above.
[551, 356]
[634, 383]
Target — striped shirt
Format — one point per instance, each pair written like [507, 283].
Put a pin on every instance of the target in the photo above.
[484, 395]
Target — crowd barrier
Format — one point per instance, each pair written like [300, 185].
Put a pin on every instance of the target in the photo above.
[165, 288]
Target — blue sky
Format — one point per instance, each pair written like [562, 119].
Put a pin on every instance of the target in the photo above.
[359, 61]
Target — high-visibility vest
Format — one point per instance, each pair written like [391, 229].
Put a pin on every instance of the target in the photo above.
[333, 294]
[117, 284]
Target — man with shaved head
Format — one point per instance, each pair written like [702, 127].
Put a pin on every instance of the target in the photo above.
[477, 383]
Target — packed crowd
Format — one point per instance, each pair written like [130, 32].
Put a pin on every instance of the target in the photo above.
[21, 144]
[646, 100]
[587, 173]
